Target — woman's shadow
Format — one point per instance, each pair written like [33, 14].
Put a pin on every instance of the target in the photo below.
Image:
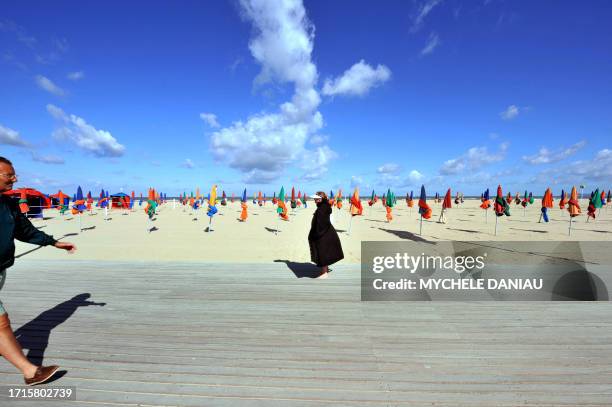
[34, 335]
[302, 269]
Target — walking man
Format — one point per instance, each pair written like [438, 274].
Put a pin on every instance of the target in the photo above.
[15, 225]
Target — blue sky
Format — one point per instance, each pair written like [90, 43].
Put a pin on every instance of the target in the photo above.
[320, 95]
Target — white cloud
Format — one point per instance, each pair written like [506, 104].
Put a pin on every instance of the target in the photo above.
[432, 42]
[47, 159]
[210, 119]
[356, 181]
[473, 159]
[48, 85]
[61, 44]
[100, 143]
[11, 137]
[596, 172]
[43, 182]
[257, 176]
[315, 162]
[415, 176]
[318, 139]
[357, 80]
[188, 164]
[388, 168]
[75, 76]
[389, 179]
[424, 9]
[263, 145]
[510, 113]
[545, 156]
[21, 34]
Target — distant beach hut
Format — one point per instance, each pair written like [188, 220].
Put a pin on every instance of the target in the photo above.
[59, 200]
[120, 201]
[32, 199]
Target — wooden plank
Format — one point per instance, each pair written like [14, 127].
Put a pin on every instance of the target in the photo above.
[193, 334]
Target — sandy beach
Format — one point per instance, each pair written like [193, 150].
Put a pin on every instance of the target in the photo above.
[179, 236]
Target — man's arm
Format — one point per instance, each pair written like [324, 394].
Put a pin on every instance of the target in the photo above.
[26, 232]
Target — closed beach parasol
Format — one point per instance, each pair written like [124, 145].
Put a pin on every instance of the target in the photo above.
[424, 209]
[389, 205]
[547, 202]
[573, 207]
[282, 208]
[355, 208]
[243, 205]
[562, 200]
[501, 207]
[446, 204]
[594, 204]
[486, 204]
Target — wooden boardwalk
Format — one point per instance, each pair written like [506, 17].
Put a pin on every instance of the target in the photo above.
[256, 335]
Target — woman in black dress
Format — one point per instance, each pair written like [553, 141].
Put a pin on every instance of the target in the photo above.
[325, 247]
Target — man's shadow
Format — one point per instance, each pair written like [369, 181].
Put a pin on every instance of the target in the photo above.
[34, 335]
[301, 270]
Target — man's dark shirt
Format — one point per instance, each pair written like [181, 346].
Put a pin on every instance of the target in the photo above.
[15, 225]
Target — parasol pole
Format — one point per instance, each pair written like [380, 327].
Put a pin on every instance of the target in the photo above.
[350, 225]
[487, 215]
[569, 232]
[80, 224]
[421, 226]
[210, 229]
[496, 225]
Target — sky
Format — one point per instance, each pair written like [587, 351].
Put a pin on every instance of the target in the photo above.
[318, 95]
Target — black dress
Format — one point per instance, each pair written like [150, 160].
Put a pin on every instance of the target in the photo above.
[325, 247]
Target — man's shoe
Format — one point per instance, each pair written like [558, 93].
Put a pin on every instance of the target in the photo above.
[43, 373]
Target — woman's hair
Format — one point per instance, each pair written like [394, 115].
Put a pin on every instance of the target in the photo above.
[5, 161]
[323, 195]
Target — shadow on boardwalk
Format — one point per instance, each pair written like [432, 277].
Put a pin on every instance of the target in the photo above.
[301, 270]
[34, 335]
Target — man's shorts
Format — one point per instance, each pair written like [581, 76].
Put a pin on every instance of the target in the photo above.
[2, 278]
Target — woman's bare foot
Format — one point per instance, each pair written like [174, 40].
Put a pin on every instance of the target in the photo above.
[323, 275]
